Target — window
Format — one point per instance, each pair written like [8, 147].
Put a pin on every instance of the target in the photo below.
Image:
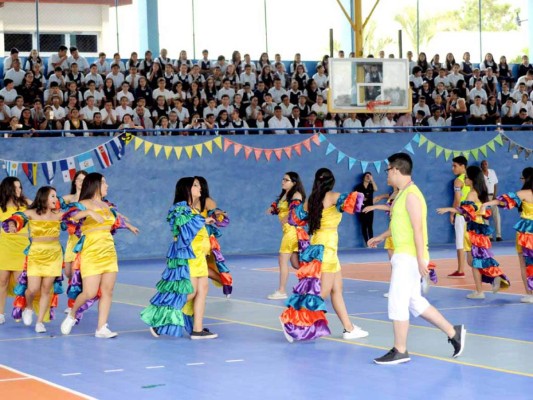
[85, 43]
[22, 41]
[50, 42]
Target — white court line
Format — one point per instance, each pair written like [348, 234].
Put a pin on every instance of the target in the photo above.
[48, 383]
[72, 374]
[25, 378]
[232, 361]
[155, 366]
[114, 370]
[191, 364]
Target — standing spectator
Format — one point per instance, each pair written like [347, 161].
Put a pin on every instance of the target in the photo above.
[422, 62]
[491, 181]
[367, 187]
[524, 66]
[505, 73]
[466, 67]
[488, 62]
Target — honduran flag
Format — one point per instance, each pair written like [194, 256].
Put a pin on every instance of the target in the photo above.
[103, 156]
[12, 168]
[30, 169]
[49, 170]
[86, 162]
[68, 169]
[118, 147]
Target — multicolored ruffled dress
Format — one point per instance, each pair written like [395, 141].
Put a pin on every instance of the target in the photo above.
[12, 246]
[95, 250]
[305, 316]
[477, 241]
[44, 258]
[289, 240]
[524, 230]
[215, 259]
[169, 312]
[70, 256]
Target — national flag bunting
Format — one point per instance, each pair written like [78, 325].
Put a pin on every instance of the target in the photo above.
[12, 168]
[49, 170]
[86, 162]
[30, 169]
[118, 147]
[103, 156]
[68, 169]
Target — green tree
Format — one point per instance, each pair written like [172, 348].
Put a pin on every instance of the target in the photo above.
[495, 16]
[427, 27]
[372, 43]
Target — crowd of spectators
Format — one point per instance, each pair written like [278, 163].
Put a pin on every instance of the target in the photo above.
[156, 95]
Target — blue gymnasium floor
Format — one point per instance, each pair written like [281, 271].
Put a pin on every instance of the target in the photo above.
[251, 358]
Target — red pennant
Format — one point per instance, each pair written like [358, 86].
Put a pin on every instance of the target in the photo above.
[298, 148]
[268, 154]
[247, 151]
[307, 144]
[316, 139]
[237, 148]
[278, 153]
[288, 151]
[258, 153]
[227, 144]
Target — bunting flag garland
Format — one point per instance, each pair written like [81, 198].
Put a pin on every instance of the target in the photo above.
[437, 150]
[30, 169]
[68, 169]
[512, 145]
[86, 162]
[103, 156]
[157, 149]
[49, 171]
[12, 168]
[331, 148]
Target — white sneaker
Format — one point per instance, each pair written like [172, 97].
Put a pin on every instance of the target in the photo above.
[496, 283]
[2, 319]
[527, 299]
[425, 284]
[476, 296]
[386, 295]
[154, 332]
[67, 324]
[356, 333]
[27, 317]
[39, 327]
[277, 295]
[67, 310]
[105, 333]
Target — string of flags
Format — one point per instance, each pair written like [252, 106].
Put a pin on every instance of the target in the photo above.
[148, 146]
[447, 153]
[512, 145]
[277, 152]
[68, 165]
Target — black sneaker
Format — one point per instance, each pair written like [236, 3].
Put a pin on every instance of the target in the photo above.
[499, 239]
[458, 340]
[204, 334]
[393, 357]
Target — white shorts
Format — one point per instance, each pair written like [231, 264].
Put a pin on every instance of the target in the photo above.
[460, 230]
[405, 292]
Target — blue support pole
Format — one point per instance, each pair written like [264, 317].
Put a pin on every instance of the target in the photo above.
[148, 26]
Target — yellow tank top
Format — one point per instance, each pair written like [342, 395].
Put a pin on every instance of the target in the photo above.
[527, 210]
[465, 189]
[8, 213]
[44, 229]
[400, 225]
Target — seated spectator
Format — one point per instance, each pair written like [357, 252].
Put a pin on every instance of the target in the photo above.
[312, 92]
[144, 91]
[38, 77]
[352, 124]
[15, 73]
[426, 92]
[525, 103]
[27, 121]
[490, 82]
[330, 122]
[279, 122]
[312, 125]
[58, 60]
[296, 121]
[109, 92]
[487, 63]
[133, 78]
[76, 126]
[53, 91]
[87, 112]
[294, 93]
[268, 106]
[246, 95]
[128, 124]
[455, 76]
[527, 79]
[102, 65]
[441, 91]
[74, 75]
[109, 115]
[442, 78]
[221, 64]
[183, 60]
[179, 93]
[8, 61]
[372, 122]
[524, 120]
[154, 74]
[58, 78]
[416, 77]
[304, 108]
[504, 72]
[479, 91]
[162, 127]
[223, 121]
[115, 75]
[420, 120]
[524, 66]
[125, 93]
[60, 114]
[210, 109]
[405, 120]
[5, 114]
[320, 108]
[133, 62]
[16, 110]
[436, 122]
[97, 125]
[28, 90]
[37, 113]
[284, 77]
[196, 91]
[286, 106]
[238, 123]
[162, 91]
[277, 91]
[493, 111]
[94, 76]
[50, 123]
[509, 111]
[15, 129]
[118, 61]
[211, 125]
[301, 77]
[466, 67]
[170, 77]
[388, 122]
[205, 63]
[94, 93]
[476, 75]
[232, 76]
[226, 90]
[478, 112]
[123, 108]
[75, 57]
[72, 91]
[320, 77]
[421, 105]
[521, 89]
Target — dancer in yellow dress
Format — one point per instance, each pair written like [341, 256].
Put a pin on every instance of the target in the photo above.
[291, 189]
[12, 245]
[97, 257]
[320, 270]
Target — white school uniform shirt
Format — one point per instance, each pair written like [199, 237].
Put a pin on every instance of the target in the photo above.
[490, 181]
[279, 123]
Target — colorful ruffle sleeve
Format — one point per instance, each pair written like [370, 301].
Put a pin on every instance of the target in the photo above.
[216, 260]
[19, 219]
[350, 203]
[524, 232]
[275, 209]
[305, 316]
[166, 313]
[479, 236]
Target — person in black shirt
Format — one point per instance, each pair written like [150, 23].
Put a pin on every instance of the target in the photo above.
[367, 187]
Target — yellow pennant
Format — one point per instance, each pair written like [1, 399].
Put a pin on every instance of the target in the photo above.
[147, 146]
[198, 148]
[178, 150]
[209, 146]
[188, 150]
[218, 142]
[137, 143]
[168, 151]
[157, 149]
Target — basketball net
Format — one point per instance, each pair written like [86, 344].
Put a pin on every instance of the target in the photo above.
[378, 107]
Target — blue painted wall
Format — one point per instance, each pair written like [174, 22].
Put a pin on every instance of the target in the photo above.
[143, 186]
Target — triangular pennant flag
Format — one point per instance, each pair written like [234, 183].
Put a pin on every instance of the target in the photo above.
[298, 149]
[137, 143]
[157, 149]
[278, 153]
[491, 145]
[422, 140]
[321, 137]
[218, 142]
[188, 150]
[257, 153]
[247, 151]
[519, 151]
[377, 164]
[430, 147]
[438, 150]
[409, 148]
[447, 154]
[86, 162]
[227, 144]
[466, 154]
[504, 138]
[528, 153]
[316, 139]
[364, 164]
[512, 145]
[178, 150]
[483, 150]
[288, 151]
[209, 146]
[351, 162]
[236, 148]
[49, 170]
[268, 154]
[475, 153]
[456, 153]
[147, 146]
[416, 138]
[30, 169]
[307, 144]
[118, 147]
[498, 139]
[340, 157]
[168, 151]
[103, 157]
[330, 148]
[198, 147]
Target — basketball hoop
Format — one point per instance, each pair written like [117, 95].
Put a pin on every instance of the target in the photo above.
[378, 107]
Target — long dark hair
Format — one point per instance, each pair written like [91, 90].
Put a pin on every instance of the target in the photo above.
[205, 191]
[7, 193]
[475, 174]
[324, 182]
[41, 199]
[73, 184]
[527, 174]
[298, 187]
[183, 190]
[91, 186]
